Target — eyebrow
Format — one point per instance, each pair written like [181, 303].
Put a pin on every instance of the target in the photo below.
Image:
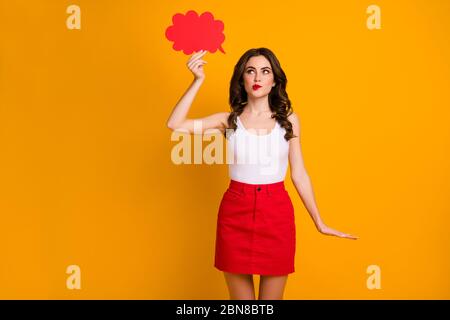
[261, 68]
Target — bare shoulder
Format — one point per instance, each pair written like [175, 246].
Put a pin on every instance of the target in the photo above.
[218, 120]
[293, 117]
[223, 116]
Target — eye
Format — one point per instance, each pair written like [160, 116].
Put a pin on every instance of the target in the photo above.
[248, 71]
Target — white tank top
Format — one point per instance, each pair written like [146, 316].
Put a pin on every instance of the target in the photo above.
[257, 157]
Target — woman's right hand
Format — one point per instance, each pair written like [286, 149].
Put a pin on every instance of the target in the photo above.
[195, 64]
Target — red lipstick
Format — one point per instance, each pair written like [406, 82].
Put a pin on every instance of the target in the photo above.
[256, 86]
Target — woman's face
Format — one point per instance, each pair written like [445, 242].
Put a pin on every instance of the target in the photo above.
[258, 71]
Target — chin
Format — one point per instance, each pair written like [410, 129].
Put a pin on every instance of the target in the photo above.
[259, 94]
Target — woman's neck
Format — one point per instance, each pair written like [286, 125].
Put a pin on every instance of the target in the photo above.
[258, 106]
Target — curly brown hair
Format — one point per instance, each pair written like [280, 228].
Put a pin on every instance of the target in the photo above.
[279, 102]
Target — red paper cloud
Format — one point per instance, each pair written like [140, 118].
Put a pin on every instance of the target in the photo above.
[191, 32]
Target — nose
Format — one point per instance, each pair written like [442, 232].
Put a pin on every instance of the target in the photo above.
[256, 76]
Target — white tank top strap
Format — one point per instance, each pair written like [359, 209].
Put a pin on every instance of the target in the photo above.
[238, 122]
[277, 125]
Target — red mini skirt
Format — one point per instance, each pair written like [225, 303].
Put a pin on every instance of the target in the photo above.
[255, 230]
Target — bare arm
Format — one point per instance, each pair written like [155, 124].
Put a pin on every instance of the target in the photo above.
[178, 118]
[303, 184]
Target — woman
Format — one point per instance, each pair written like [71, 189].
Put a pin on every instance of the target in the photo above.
[255, 224]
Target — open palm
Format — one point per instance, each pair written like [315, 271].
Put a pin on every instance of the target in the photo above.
[324, 229]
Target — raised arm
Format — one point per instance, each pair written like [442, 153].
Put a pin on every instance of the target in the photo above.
[303, 183]
[178, 118]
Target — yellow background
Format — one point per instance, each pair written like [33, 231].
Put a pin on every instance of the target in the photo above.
[85, 169]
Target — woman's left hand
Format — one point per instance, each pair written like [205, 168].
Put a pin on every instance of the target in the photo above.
[324, 229]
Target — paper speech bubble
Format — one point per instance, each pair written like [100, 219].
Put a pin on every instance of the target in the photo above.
[192, 32]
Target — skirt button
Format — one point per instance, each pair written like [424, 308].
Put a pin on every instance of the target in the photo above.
[259, 189]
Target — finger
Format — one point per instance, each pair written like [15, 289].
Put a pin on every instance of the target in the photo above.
[196, 64]
[197, 55]
[200, 60]
[191, 64]
[199, 64]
